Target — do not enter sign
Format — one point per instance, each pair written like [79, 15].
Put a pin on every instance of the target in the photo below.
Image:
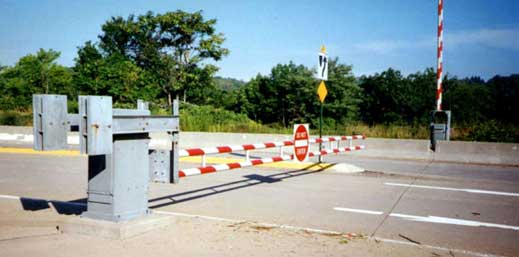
[301, 136]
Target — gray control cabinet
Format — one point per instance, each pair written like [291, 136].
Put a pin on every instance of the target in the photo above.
[440, 127]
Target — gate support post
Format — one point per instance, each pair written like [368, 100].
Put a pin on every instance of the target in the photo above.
[118, 182]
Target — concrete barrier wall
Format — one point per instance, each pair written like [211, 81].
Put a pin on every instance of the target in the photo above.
[478, 152]
[453, 151]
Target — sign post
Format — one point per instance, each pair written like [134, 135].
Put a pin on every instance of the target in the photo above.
[322, 75]
[301, 137]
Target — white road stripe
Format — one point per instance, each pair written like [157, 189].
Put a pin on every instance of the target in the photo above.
[358, 211]
[10, 197]
[432, 219]
[468, 190]
[444, 220]
[13, 197]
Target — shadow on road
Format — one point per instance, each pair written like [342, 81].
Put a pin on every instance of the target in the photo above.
[252, 180]
[74, 207]
[78, 206]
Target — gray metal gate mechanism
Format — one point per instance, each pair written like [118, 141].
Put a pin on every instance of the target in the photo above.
[440, 127]
[120, 163]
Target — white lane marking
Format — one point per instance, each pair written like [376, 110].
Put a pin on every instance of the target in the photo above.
[444, 220]
[296, 228]
[358, 211]
[468, 190]
[432, 219]
[13, 197]
[10, 197]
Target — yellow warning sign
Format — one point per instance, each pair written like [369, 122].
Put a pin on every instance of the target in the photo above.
[322, 91]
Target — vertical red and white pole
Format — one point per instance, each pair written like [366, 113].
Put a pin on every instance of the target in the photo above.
[439, 74]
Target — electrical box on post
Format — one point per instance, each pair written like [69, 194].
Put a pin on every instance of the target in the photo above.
[439, 127]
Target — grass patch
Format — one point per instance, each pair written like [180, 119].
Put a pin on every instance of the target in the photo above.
[16, 118]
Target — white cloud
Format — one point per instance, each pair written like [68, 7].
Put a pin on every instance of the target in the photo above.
[495, 38]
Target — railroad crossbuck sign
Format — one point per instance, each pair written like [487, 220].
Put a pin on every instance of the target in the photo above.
[301, 137]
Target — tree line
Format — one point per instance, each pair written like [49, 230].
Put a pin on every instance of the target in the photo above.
[158, 57]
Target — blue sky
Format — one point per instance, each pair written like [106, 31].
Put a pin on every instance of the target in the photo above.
[481, 37]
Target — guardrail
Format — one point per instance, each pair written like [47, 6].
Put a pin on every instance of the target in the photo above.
[248, 147]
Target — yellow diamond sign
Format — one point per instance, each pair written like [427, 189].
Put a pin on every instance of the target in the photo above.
[321, 91]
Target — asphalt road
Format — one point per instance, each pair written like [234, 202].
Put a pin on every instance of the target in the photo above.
[461, 207]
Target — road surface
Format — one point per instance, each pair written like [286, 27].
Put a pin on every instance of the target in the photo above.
[469, 210]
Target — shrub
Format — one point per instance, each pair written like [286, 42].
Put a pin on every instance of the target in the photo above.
[14, 118]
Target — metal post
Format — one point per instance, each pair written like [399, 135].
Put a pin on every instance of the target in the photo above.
[173, 169]
[247, 155]
[321, 132]
[448, 132]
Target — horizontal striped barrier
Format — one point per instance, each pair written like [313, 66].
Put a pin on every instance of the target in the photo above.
[237, 165]
[230, 149]
[331, 139]
[337, 150]
[230, 166]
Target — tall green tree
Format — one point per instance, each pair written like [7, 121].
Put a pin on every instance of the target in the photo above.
[470, 100]
[389, 97]
[34, 74]
[505, 90]
[383, 97]
[170, 48]
[288, 95]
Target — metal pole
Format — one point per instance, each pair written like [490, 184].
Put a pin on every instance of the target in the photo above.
[321, 131]
[439, 74]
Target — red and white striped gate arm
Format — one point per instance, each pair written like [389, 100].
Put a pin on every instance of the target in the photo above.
[439, 74]
[331, 139]
[336, 150]
[234, 148]
[230, 166]
[237, 165]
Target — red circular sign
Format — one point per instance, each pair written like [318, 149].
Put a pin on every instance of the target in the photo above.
[301, 142]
